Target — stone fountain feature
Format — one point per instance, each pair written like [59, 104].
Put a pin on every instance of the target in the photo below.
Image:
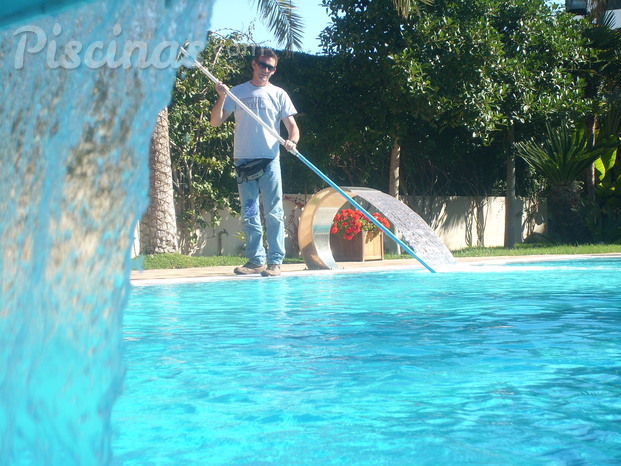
[80, 94]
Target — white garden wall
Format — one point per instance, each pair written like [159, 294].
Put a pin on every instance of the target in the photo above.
[459, 221]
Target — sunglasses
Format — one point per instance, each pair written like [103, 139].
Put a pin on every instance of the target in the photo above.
[265, 66]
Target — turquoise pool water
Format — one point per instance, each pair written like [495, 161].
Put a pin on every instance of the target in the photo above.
[516, 364]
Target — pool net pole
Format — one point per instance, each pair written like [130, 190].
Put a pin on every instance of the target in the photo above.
[306, 162]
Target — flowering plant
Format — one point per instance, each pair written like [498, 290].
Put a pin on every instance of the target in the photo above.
[348, 223]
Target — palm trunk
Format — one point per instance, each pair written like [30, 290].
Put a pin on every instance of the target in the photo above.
[158, 227]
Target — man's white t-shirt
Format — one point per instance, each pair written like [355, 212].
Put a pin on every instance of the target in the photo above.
[272, 104]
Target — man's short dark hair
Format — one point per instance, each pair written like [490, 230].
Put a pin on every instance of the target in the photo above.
[261, 52]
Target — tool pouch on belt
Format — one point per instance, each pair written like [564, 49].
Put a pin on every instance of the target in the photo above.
[251, 170]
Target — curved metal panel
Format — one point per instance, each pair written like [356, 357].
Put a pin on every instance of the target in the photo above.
[314, 228]
[317, 216]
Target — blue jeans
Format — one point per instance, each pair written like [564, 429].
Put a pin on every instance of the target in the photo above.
[269, 186]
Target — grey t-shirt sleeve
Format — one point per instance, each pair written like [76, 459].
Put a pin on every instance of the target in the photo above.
[228, 107]
[286, 108]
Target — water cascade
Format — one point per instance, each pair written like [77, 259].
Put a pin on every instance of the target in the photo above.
[317, 216]
[78, 109]
[416, 232]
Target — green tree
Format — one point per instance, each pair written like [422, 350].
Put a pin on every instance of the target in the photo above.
[603, 211]
[495, 68]
[203, 172]
[601, 73]
[202, 177]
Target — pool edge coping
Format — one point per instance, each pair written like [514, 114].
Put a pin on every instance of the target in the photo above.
[219, 273]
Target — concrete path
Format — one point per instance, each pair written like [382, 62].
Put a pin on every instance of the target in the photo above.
[147, 277]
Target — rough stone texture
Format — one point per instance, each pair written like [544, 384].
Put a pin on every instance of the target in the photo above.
[73, 184]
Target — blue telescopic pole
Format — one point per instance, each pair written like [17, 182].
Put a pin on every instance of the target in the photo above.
[306, 162]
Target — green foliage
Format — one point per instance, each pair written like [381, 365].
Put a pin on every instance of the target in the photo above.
[180, 261]
[203, 172]
[604, 212]
[563, 156]
[483, 64]
[283, 21]
[513, 59]
[544, 249]
[449, 84]
[602, 69]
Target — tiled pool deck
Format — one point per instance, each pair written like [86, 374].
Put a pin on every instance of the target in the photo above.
[146, 277]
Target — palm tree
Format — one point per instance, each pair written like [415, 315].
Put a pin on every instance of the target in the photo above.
[283, 21]
[561, 159]
[597, 9]
[158, 226]
[602, 73]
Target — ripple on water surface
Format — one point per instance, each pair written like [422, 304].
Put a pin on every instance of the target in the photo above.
[518, 365]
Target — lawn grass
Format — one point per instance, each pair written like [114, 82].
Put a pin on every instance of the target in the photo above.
[531, 249]
[180, 261]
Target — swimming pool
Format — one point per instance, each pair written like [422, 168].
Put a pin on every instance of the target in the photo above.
[519, 364]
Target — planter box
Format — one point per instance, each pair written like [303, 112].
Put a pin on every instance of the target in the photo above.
[359, 249]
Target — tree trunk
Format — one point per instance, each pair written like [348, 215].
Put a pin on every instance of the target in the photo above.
[394, 174]
[510, 197]
[395, 178]
[597, 8]
[158, 227]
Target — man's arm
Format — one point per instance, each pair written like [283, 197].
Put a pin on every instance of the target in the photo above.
[217, 113]
[293, 133]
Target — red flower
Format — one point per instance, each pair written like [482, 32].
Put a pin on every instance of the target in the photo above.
[348, 223]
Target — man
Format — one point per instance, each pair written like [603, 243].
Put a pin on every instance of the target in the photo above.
[257, 161]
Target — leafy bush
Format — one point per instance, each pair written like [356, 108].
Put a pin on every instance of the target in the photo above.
[203, 172]
[561, 158]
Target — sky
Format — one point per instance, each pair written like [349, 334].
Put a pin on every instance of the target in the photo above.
[240, 14]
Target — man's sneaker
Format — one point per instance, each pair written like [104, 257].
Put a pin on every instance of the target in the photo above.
[249, 268]
[273, 270]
